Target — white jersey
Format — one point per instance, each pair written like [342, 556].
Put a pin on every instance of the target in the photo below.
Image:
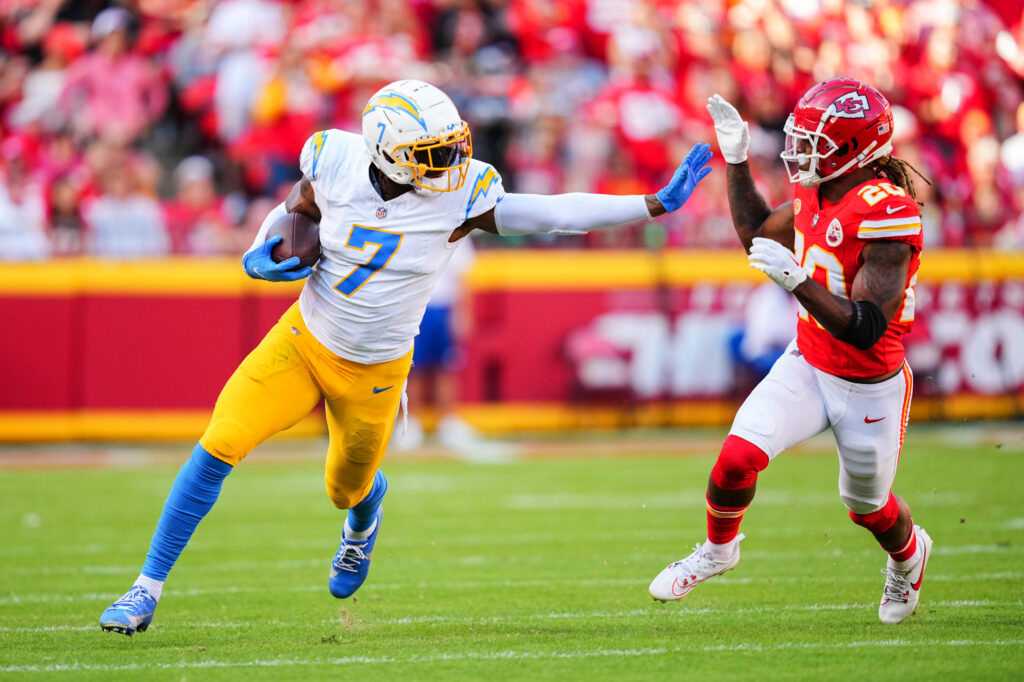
[381, 260]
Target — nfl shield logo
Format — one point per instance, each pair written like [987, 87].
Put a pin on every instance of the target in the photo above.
[382, 212]
[834, 234]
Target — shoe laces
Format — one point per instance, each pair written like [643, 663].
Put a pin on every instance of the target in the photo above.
[136, 596]
[694, 563]
[349, 557]
[896, 584]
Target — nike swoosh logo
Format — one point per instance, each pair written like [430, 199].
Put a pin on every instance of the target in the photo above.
[893, 209]
[381, 390]
[920, 579]
[868, 420]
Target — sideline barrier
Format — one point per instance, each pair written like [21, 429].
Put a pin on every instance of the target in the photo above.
[139, 350]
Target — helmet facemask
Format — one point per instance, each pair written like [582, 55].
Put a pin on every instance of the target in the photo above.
[439, 164]
[414, 136]
[804, 167]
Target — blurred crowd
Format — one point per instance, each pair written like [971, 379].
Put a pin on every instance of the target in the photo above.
[160, 127]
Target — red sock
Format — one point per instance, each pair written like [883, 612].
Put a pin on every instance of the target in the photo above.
[723, 522]
[906, 551]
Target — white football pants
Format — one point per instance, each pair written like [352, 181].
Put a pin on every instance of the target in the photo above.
[796, 401]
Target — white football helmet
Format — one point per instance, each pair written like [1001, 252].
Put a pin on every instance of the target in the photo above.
[414, 134]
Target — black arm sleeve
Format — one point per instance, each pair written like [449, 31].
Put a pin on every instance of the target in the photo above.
[866, 327]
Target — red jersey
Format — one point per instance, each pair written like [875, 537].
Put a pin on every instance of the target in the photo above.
[828, 241]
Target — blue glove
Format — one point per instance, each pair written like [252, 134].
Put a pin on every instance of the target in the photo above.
[259, 265]
[691, 171]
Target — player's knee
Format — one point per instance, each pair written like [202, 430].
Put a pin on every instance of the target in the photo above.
[342, 496]
[738, 464]
[227, 440]
[869, 515]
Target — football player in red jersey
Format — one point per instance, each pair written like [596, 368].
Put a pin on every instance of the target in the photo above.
[848, 247]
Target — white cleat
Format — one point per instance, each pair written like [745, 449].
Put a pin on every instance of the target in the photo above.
[676, 581]
[903, 588]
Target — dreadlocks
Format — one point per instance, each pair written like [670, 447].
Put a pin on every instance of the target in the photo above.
[898, 172]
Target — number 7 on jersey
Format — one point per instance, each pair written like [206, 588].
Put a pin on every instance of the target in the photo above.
[387, 244]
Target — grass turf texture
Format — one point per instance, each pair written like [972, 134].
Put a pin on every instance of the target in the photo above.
[536, 569]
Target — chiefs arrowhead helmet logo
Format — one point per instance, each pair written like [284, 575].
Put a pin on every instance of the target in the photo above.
[851, 105]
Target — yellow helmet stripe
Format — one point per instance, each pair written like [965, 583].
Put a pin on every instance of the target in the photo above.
[395, 102]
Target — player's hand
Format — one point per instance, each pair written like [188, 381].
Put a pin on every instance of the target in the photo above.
[258, 264]
[691, 171]
[731, 129]
[776, 261]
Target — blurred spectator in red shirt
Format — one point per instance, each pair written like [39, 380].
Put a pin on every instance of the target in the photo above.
[989, 206]
[938, 91]
[113, 90]
[641, 108]
[196, 217]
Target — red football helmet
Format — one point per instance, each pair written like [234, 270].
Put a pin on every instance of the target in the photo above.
[838, 125]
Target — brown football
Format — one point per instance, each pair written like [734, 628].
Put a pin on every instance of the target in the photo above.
[300, 237]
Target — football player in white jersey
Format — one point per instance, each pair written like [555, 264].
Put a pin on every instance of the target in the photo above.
[393, 204]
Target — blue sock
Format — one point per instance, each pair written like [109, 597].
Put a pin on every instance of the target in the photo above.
[362, 516]
[194, 491]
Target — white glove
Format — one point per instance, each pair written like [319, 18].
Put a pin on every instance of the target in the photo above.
[733, 135]
[776, 261]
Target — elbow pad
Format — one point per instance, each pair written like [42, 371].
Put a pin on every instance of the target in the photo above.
[867, 326]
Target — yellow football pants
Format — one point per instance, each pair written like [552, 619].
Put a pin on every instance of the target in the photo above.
[283, 379]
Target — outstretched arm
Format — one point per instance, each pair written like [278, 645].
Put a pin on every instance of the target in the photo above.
[578, 213]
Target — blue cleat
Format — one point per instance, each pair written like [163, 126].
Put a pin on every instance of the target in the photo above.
[134, 611]
[352, 563]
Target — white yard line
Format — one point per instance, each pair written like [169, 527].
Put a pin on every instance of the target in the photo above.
[493, 584]
[476, 560]
[656, 611]
[508, 655]
[455, 542]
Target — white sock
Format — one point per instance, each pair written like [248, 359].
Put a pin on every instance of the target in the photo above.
[721, 552]
[154, 587]
[358, 535]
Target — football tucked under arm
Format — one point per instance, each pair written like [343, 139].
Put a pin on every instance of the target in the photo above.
[265, 260]
[576, 213]
[271, 218]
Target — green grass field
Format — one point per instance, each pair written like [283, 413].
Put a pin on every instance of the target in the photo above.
[535, 569]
